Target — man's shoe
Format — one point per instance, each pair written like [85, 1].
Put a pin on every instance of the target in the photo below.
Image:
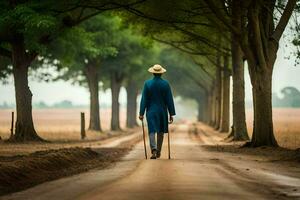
[158, 154]
[153, 154]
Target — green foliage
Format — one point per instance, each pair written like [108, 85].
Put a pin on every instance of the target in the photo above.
[188, 27]
[296, 43]
[92, 41]
[5, 69]
[32, 24]
[135, 52]
[295, 30]
[183, 24]
[182, 73]
[105, 41]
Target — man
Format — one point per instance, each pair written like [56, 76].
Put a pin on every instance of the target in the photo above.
[157, 100]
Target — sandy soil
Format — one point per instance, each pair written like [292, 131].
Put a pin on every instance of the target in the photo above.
[11, 149]
[194, 172]
[18, 172]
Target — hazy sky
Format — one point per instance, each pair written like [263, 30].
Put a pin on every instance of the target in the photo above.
[285, 74]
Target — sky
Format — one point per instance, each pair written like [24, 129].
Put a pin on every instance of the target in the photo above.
[285, 74]
[53, 92]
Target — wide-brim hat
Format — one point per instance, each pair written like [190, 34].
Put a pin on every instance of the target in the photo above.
[157, 69]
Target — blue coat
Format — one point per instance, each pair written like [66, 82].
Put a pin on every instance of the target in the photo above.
[157, 100]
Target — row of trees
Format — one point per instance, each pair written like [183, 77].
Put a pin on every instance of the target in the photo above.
[101, 52]
[29, 31]
[215, 30]
[104, 50]
[216, 36]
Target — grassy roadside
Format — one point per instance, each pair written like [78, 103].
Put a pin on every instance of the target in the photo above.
[14, 149]
[214, 141]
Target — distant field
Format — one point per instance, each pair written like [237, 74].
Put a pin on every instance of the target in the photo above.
[286, 126]
[64, 124]
[59, 124]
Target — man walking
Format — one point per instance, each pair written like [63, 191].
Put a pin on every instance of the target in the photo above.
[157, 100]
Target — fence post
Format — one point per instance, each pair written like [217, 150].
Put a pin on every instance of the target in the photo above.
[82, 122]
[12, 125]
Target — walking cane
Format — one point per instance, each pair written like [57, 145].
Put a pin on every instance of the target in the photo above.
[169, 151]
[169, 145]
[144, 139]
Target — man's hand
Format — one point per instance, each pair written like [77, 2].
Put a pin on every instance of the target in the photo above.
[171, 120]
[141, 117]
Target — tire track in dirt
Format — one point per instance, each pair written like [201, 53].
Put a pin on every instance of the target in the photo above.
[192, 173]
[248, 177]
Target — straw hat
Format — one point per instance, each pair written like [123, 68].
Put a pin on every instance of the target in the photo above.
[157, 69]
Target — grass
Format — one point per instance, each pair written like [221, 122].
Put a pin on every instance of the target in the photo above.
[63, 125]
[286, 123]
[59, 124]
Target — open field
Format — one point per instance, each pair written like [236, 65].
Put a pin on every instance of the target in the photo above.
[286, 126]
[60, 124]
[64, 124]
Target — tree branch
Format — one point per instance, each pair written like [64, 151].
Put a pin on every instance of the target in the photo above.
[284, 20]
[223, 18]
[179, 48]
[144, 15]
[202, 68]
[5, 52]
[254, 24]
[201, 39]
[199, 83]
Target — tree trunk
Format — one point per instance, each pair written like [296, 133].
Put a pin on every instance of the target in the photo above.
[115, 107]
[200, 115]
[239, 127]
[218, 98]
[238, 94]
[208, 109]
[212, 106]
[263, 134]
[21, 60]
[91, 74]
[261, 46]
[132, 92]
[224, 124]
[205, 108]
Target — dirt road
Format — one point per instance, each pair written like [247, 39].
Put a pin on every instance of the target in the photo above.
[192, 173]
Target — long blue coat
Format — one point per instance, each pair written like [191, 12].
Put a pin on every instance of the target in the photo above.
[157, 100]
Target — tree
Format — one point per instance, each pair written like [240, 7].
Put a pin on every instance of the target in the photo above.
[136, 73]
[116, 68]
[258, 33]
[291, 98]
[26, 28]
[81, 52]
[186, 79]
[254, 26]
[190, 27]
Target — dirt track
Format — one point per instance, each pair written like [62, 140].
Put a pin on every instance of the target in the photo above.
[193, 173]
